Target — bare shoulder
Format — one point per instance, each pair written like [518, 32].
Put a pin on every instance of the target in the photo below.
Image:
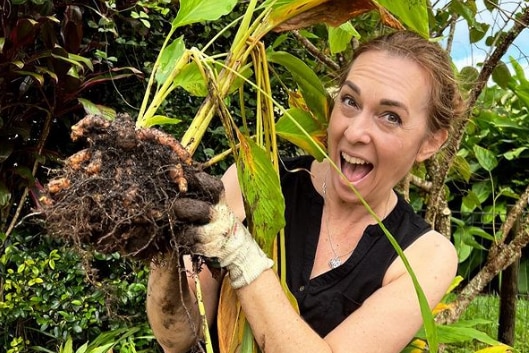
[432, 241]
[434, 246]
[433, 259]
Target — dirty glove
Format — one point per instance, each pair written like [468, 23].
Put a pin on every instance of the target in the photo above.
[227, 240]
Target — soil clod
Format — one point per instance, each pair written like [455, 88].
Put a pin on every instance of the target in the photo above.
[124, 191]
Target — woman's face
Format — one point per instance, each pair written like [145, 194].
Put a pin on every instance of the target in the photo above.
[378, 126]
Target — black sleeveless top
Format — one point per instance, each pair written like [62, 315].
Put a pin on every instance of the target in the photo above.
[325, 301]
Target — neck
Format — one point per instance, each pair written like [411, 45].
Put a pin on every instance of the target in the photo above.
[354, 212]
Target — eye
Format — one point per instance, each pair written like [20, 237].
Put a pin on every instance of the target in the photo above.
[349, 101]
[392, 118]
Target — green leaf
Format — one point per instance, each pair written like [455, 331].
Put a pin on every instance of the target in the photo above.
[482, 189]
[489, 215]
[478, 31]
[489, 117]
[190, 78]
[479, 232]
[248, 341]
[461, 167]
[467, 77]
[68, 346]
[83, 348]
[340, 37]
[161, 120]
[193, 11]
[262, 192]
[412, 13]
[71, 59]
[515, 153]
[491, 5]
[34, 75]
[50, 73]
[519, 70]
[465, 9]
[463, 249]
[103, 349]
[5, 195]
[485, 158]
[315, 95]
[289, 127]
[457, 333]
[81, 59]
[170, 55]
[35, 281]
[97, 109]
[501, 75]
[470, 202]
[507, 191]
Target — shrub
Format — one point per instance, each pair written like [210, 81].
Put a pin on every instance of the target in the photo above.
[50, 292]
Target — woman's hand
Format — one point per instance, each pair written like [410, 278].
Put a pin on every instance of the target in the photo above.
[226, 240]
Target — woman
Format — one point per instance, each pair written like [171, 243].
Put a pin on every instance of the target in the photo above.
[394, 108]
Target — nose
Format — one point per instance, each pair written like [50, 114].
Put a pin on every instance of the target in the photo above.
[360, 128]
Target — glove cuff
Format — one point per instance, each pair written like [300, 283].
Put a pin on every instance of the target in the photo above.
[248, 262]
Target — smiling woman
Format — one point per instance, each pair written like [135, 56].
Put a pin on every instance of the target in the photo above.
[380, 121]
[394, 108]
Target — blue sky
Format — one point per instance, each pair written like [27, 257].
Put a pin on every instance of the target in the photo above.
[466, 54]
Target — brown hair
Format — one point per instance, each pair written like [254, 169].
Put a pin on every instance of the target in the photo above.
[446, 102]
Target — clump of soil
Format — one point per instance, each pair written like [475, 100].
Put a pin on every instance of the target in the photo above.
[131, 191]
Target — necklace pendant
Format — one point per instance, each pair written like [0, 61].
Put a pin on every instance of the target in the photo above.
[335, 262]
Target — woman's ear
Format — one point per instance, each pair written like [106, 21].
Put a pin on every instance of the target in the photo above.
[431, 145]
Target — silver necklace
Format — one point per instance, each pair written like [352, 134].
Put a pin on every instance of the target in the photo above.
[335, 260]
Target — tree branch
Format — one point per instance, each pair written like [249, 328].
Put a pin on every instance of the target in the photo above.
[440, 166]
[507, 225]
[504, 258]
[315, 51]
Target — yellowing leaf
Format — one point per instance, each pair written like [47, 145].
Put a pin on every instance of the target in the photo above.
[262, 193]
[304, 13]
[496, 349]
[302, 129]
[228, 318]
[441, 307]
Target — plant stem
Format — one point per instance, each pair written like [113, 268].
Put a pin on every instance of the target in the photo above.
[147, 94]
[202, 310]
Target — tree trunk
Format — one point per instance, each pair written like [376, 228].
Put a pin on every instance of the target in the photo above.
[508, 296]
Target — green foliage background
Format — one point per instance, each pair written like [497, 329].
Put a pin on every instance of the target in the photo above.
[101, 51]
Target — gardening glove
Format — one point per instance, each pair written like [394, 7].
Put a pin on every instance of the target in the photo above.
[225, 239]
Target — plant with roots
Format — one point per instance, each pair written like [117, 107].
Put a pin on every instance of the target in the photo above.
[216, 78]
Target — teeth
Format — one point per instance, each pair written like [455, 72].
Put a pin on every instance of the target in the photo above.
[353, 160]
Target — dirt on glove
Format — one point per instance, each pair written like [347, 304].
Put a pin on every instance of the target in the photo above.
[132, 191]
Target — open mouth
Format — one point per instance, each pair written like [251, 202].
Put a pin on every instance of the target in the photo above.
[354, 168]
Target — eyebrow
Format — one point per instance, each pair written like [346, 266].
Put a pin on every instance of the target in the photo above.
[386, 102]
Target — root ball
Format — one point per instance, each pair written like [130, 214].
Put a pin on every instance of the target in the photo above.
[125, 192]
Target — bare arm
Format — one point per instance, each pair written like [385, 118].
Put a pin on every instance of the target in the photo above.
[386, 322]
[171, 304]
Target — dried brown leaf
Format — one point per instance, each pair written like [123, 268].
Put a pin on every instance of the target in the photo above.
[334, 13]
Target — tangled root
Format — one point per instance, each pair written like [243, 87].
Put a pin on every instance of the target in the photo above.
[120, 193]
